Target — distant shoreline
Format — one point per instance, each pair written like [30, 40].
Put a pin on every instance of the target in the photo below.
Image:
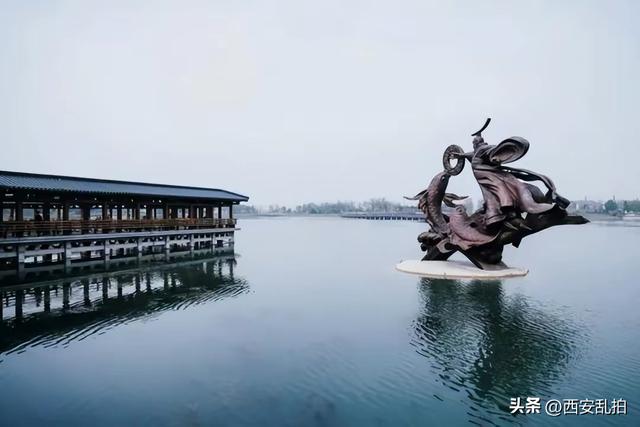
[607, 217]
[283, 215]
[589, 216]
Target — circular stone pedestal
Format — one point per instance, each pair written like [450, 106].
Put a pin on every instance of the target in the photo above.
[456, 270]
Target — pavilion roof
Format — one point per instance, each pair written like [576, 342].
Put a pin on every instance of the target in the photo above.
[59, 183]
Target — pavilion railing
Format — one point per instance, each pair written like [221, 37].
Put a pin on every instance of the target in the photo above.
[44, 228]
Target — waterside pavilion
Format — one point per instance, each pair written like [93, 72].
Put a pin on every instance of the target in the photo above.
[51, 221]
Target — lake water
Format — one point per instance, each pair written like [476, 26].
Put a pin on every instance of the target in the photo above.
[310, 325]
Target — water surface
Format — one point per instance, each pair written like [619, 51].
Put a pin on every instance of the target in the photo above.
[309, 324]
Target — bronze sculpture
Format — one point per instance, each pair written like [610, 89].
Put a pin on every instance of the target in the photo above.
[512, 209]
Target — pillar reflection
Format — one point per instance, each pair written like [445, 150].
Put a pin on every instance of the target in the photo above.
[64, 319]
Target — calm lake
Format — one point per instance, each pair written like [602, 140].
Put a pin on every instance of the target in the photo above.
[310, 325]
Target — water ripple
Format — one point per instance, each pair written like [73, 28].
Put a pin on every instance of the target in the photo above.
[491, 346]
[179, 287]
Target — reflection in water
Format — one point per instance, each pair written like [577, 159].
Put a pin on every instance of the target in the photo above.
[62, 311]
[490, 345]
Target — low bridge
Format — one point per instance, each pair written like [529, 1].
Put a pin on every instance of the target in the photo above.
[389, 216]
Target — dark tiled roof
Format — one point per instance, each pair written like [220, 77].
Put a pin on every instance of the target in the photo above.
[32, 181]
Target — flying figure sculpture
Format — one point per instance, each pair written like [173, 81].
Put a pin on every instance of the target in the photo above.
[513, 207]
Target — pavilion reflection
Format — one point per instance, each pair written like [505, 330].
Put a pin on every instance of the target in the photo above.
[58, 312]
[492, 346]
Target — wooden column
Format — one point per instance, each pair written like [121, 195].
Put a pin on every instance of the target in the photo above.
[46, 211]
[86, 216]
[19, 213]
[46, 216]
[105, 217]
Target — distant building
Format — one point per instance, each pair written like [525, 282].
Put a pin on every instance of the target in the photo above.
[587, 206]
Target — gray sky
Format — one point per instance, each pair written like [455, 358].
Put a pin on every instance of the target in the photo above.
[292, 101]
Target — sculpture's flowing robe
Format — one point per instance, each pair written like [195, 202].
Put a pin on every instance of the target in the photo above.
[502, 187]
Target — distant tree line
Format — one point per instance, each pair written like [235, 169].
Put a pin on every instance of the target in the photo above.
[245, 209]
[371, 205]
[611, 206]
[627, 206]
[631, 206]
[328, 208]
[336, 208]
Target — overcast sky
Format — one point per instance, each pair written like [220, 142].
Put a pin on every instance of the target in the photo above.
[297, 101]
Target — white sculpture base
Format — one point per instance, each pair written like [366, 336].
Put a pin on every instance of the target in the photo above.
[456, 270]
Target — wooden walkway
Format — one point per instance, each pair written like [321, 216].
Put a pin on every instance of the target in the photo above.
[23, 255]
